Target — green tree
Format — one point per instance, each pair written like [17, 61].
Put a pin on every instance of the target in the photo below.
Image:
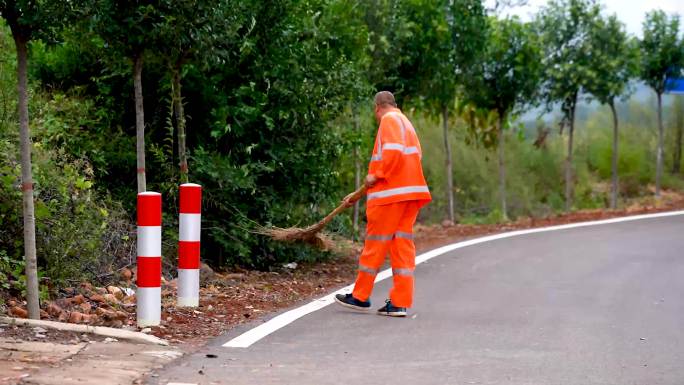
[387, 36]
[264, 114]
[273, 144]
[615, 64]
[428, 71]
[193, 30]
[28, 20]
[564, 27]
[467, 23]
[447, 38]
[128, 27]
[661, 55]
[507, 79]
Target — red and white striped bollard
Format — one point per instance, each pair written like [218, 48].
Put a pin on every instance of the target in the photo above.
[149, 259]
[189, 228]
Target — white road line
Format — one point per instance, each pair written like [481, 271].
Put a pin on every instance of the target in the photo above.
[246, 339]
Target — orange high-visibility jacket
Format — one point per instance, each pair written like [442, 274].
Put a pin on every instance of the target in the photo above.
[396, 163]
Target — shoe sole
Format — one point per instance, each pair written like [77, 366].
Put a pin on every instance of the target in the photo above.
[395, 314]
[357, 308]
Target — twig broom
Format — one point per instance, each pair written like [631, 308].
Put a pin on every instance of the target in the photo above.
[312, 234]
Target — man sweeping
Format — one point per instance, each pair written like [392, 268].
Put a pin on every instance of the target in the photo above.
[396, 192]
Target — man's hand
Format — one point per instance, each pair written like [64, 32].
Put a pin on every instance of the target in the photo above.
[371, 180]
[349, 200]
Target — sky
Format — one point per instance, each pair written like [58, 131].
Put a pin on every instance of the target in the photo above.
[631, 12]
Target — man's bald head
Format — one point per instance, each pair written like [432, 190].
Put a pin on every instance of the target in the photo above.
[385, 99]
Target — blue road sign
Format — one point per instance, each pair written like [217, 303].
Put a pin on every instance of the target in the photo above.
[674, 86]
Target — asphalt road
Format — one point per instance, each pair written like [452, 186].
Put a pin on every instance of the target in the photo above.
[594, 305]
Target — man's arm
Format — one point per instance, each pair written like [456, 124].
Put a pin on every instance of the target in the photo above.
[393, 145]
[350, 199]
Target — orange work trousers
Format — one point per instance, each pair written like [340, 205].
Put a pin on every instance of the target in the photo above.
[389, 229]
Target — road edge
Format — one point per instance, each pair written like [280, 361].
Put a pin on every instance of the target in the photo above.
[253, 335]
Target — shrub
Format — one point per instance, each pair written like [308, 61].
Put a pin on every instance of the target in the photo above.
[80, 233]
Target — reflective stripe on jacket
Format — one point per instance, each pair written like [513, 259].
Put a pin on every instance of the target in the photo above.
[396, 163]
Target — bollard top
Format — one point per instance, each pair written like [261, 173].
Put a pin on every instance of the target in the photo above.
[149, 209]
[190, 199]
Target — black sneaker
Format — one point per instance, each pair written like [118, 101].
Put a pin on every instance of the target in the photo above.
[347, 300]
[391, 310]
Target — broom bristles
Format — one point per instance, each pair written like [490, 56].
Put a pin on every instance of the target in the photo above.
[309, 235]
[312, 234]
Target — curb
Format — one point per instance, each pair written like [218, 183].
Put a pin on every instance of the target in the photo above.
[98, 330]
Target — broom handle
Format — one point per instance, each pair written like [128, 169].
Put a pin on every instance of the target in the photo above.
[356, 195]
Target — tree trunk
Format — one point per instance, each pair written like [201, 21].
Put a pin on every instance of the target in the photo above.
[614, 164]
[568, 161]
[32, 290]
[502, 168]
[679, 126]
[180, 121]
[139, 122]
[357, 181]
[659, 153]
[449, 168]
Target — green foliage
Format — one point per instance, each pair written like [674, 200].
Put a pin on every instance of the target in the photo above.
[262, 147]
[11, 270]
[36, 18]
[634, 165]
[13, 276]
[615, 59]
[387, 36]
[427, 67]
[8, 99]
[287, 88]
[509, 73]
[662, 53]
[534, 176]
[481, 122]
[468, 26]
[439, 42]
[187, 28]
[80, 233]
[563, 26]
[128, 27]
